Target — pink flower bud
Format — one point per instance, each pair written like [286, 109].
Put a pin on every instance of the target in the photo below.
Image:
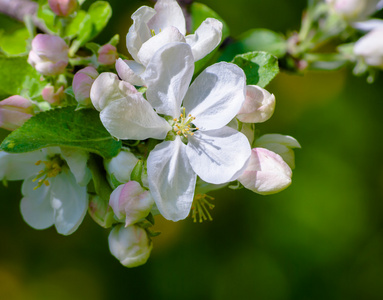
[51, 96]
[258, 106]
[130, 245]
[14, 111]
[354, 10]
[266, 172]
[49, 54]
[107, 55]
[131, 201]
[82, 82]
[62, 8]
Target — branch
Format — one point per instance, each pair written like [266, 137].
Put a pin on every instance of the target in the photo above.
[20, 9]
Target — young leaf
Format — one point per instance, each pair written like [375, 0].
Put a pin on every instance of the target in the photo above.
[63, 127]
[260, 67]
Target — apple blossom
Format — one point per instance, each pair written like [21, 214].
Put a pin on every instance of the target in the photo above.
[107, 54]
[49, 54]
[82, 82]
[280, 144]
[266, 172]
[14, 111]
[131, 201]
[213, 151]
[54, 186]
[258, 106]
[63, 8]
[121, 166]
[370, 48]
[154, 28]
[130, 245]
[48, 93]
[354, 10]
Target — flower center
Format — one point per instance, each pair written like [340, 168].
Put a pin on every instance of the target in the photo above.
[183, 125]
[53, 167]
[200, 206]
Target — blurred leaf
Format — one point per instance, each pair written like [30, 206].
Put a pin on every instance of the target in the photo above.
[77, 25]
[260, 67]
[63, 127]
[45, 14]
[256, 40]
[14, 43]
[200, 12]
[100, 13]
[17, 77]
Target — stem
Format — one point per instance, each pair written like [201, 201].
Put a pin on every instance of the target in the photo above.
[20, 9]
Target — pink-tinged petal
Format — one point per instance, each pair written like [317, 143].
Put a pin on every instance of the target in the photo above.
[168, 76]
[171, 179]
[216, 95]
[121, 166]
[150, 47]
[20, 166]
[168, 13]
[131, 245]
[130, 71]
[35, 206]
[69, 202]
[62, 8]
[139, 32]
[14, 111]
[82, 83]
[107, 54]
[207, 36]
[266, 172]
[217, 156]
[258, 106]
[131, 201]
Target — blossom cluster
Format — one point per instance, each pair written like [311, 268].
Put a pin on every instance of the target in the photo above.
[183, 132]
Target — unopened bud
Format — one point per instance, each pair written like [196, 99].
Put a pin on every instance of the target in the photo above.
[101, 212]
[51, 96]
[130, 245]
[63, 8]
[121, 166]
[266, 172]
[258, 106]
[49, 54]
[370, 48]
[354, 10]
[82, 83]
[14, 111]
[131, 201]
[107, 55]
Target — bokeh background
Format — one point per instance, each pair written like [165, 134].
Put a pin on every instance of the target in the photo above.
[322, 238]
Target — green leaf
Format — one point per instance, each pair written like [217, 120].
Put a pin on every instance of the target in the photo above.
[17, 77]
[63, 127]
[256, 40]
[76, 26]
[14, 43]
[200, 12]
[100, 13]
[260, 67]
[45, 14]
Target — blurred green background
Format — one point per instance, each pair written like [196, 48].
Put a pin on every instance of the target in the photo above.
[322, 238]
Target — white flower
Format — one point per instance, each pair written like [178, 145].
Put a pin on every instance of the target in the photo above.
[154, 28]
[266, 173]
[370, 48]
[354, 10]
[258, 106]
[130, 245]
[214, 152]
[280, 144]
[57, 198]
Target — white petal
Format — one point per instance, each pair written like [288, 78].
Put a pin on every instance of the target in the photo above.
[368, 25]
[168, 76]
[69, 201]
[35, 206]
[216, 95]
[166, 36]
[19, 166]
[171, 179]
[217, 155]
[121, 166]
[139, 32]
[130, 71]
[133, 118]
[169, 13]
[207, 36]
[77, 161]
[107, 87]
[258, 106]
[266, 172]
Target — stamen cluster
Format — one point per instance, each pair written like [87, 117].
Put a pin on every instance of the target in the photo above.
[183, 125]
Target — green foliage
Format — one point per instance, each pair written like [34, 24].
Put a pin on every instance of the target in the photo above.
[198, 13]
[45, 14]
[260, 67]
[17, 77]
[63, 127]
[256, 40]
